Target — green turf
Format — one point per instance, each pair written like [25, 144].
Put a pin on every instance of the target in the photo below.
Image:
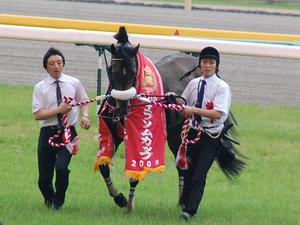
[291, 5]
[268, 192]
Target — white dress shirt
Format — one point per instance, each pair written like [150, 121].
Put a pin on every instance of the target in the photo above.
[44, 97]
[217, 92]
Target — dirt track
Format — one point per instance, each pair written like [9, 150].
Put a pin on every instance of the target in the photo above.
[252, 79]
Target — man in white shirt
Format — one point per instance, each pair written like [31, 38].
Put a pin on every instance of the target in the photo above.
[208, 101]
[48, 108]
[211, 112]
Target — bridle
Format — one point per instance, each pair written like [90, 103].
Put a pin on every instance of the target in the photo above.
[115, 95]
[128, 95]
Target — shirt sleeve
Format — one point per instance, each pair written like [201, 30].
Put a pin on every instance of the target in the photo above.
[186, 94]
[80, 94]
[222, 100]
[36, 100]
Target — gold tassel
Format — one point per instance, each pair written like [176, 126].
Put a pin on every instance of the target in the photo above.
[103, 160]
[140, 175]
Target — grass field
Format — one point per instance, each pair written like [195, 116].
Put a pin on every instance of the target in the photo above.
[292, 5]
[268, 192]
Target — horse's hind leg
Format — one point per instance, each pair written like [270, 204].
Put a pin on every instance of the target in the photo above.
[180, 183]
[119, 198]
[133, 184]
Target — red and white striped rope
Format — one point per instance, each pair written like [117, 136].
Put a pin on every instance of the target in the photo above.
[84, 102]
[185, 127]
[175, 107]
[67, 131]
[52, 143]
[185, 130]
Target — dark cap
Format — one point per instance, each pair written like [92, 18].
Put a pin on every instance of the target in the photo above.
[210, 53]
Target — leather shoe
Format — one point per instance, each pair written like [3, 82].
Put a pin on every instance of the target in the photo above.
[48, 203]
[185, 216]
[56, 207]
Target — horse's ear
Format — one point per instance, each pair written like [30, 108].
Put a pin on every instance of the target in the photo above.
[113, 49]
[135, 51]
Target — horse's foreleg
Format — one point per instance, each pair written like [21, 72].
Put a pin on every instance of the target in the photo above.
[133, 184]
[180, 188]
[119, 198]
[105, 172]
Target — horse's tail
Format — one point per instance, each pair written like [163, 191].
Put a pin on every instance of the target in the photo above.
[229, 163]
[228, 153]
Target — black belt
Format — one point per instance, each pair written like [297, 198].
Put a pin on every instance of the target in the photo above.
[54, 127]
[194, 132]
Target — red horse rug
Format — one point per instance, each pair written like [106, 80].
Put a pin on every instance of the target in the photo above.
[144, 131]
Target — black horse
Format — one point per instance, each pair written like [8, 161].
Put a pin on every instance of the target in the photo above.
[122, 77]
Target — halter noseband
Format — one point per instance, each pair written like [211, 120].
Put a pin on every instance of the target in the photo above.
[123, 95]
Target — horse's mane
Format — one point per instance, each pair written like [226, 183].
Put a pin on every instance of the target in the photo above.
[122, 36]
[124, 46]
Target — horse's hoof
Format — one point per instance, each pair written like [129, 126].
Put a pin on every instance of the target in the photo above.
[128, 210]
[120, 200]
[130, 205]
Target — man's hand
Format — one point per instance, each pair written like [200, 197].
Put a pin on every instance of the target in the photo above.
[64, 108]
[188, 111]
[170, 98]
[85, 123]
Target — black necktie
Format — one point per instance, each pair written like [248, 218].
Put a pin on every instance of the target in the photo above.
[59, 101]
[200, 98]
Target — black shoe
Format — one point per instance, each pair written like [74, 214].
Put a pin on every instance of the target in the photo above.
[48, 203]
[185, 216]
[56, 207]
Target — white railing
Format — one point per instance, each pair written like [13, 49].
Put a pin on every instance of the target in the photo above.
[188, 44]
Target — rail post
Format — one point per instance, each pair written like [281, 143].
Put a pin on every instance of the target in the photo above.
[101, 55]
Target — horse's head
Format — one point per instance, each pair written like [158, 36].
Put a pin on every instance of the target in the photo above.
[122, 75]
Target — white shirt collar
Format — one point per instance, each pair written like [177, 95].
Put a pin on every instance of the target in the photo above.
[210, 79]
[51, 80]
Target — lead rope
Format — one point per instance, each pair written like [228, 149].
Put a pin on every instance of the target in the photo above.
[67, 131]
[66, 136]
[181, 159]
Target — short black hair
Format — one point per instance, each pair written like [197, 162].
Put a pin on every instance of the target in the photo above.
[52, 51]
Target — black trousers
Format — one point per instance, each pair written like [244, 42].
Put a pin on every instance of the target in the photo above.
[201, 157]
[50, 159]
